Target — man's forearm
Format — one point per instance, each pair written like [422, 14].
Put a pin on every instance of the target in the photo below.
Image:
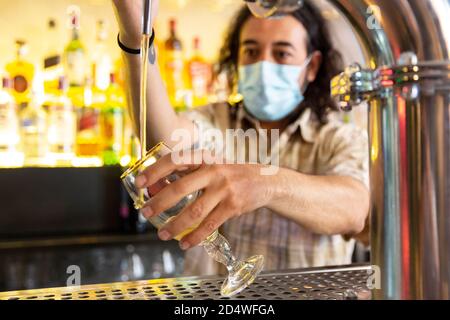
[323, 204]
[161, 118]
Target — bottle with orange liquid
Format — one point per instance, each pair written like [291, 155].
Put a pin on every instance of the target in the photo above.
[88, 140]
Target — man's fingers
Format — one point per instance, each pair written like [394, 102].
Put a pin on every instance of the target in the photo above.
[155, 172]
[192, 215]
[211, 223]
[163, 167]
[169, 195]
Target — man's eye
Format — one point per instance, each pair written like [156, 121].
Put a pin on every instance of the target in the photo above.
[282, 55]
[250, 52]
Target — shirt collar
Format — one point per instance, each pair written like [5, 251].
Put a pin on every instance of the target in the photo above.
[306, 123]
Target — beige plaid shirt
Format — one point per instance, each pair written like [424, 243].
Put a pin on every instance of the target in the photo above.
[305, 146]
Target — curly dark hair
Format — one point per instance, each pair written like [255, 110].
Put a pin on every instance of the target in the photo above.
[317, 95]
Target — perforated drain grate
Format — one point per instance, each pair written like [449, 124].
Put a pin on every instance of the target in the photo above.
[343, 283]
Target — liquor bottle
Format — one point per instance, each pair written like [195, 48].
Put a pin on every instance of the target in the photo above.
[61, 126]
[33, 126]
[53, 68]
[101, 60]
[174, 68]
[199, 72]
[88, 140]
[22, 73]
[113, 123]
[75, 59]
[9, 123]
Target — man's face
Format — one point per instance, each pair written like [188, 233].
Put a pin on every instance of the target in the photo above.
[282, 40]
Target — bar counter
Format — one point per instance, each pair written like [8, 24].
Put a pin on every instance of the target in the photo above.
[329, 283]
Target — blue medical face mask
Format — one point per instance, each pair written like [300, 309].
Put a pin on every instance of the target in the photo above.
[271, 91]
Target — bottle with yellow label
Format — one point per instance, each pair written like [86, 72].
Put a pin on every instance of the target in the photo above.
[53, 69]
[22, 73]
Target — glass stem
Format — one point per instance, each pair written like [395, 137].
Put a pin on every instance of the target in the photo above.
[218, 248]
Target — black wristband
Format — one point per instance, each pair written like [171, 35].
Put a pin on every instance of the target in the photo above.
[134, 51]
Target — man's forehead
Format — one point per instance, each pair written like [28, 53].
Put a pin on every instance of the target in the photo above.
[287, 29]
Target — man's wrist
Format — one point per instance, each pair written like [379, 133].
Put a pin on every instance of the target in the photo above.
[280, 187]
[271, 182]
[131, 42]
[133, 51]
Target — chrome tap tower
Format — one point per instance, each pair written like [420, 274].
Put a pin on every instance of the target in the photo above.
[407, 88]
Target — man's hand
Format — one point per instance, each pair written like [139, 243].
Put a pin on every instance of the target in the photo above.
[228, 190]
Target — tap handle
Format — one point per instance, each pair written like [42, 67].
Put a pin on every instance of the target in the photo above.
[354, 86]
[147, 17]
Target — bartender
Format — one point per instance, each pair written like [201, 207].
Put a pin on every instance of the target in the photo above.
[311, 210]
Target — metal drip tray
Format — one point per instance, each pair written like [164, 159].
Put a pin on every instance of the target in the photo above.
[325, 283]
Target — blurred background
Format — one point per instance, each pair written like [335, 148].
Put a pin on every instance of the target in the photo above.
[65, 134]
